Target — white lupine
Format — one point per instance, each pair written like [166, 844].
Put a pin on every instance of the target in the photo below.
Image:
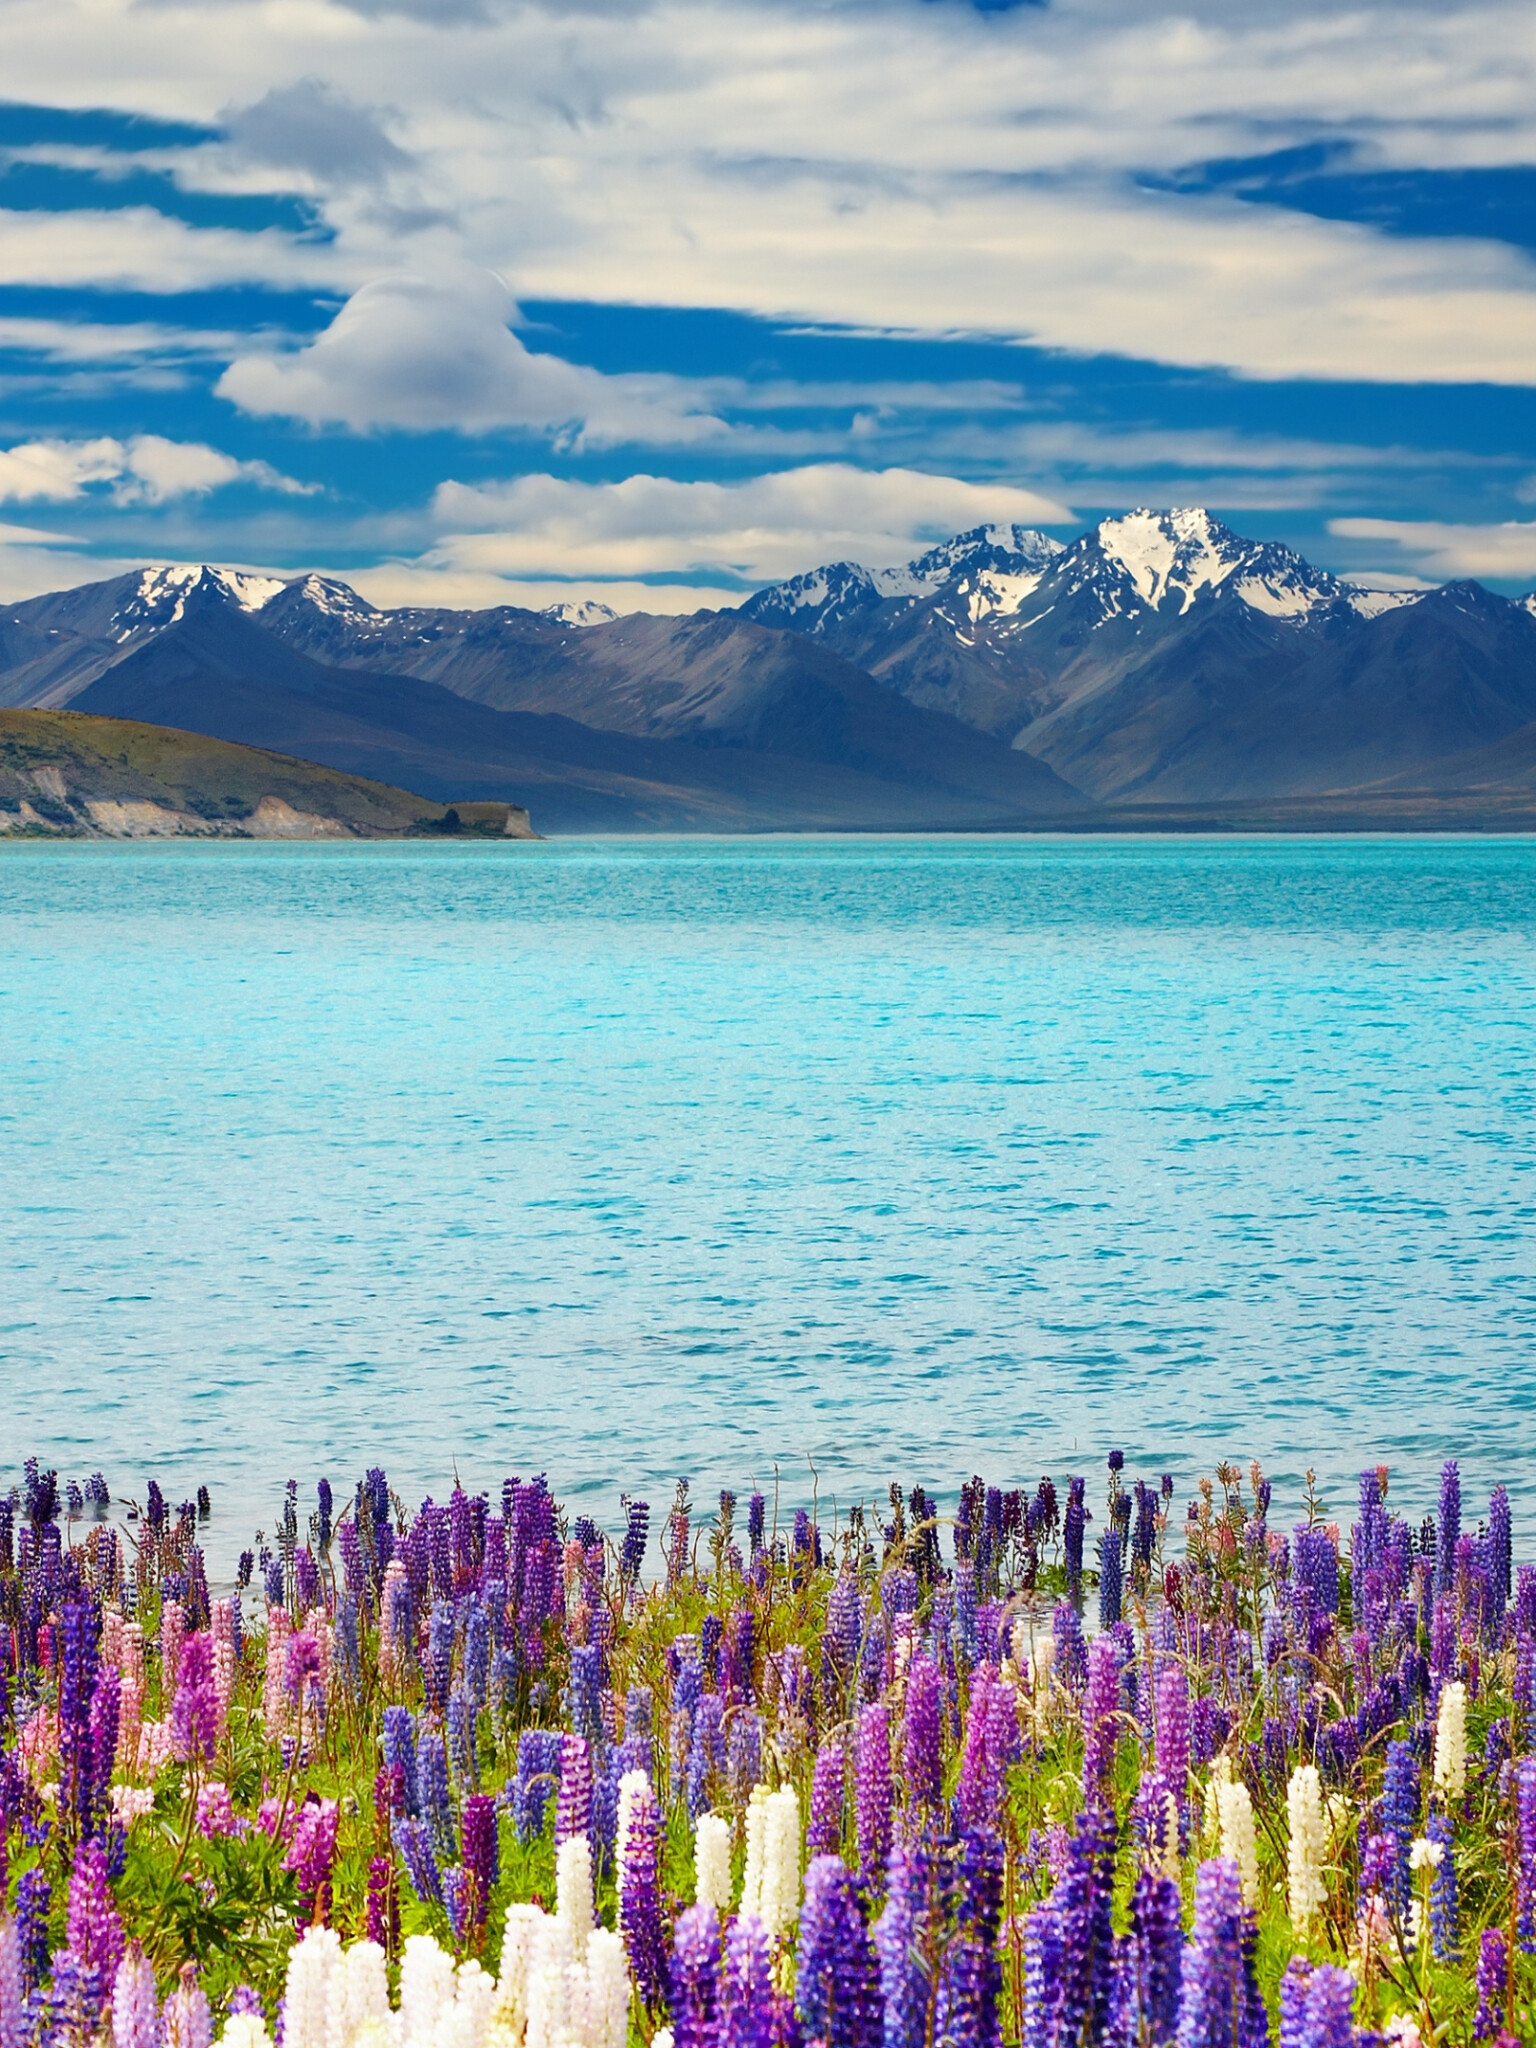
[312, 1963]
[1451, 1742]
[245, 2030]
[551, 1966]
[358, 1992]
[662, 2038]
[574, 1905]
[426, 1990]
[516, 1957]
[757, 1836]
[1307, 1848]
[607, 1991]
[464, 2022]
[1234, 1814]
[779, 1899]
[712, 1862]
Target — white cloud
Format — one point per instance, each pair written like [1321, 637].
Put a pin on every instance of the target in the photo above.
[767, 527]
[425, 352]
[146, 470]
[902, 166]
[1443, 551]
[134, 248]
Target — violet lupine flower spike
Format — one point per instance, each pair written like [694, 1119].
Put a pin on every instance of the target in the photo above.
[695, 1978]
[921, 1755]
[1149, 1965]
[824, 1836]
[746, 1987]
[135, 2003]
[905, 1936]
[1219, 2001]
[837, 1982]
[872, 1795]
[95, 1930]
[640, 1919]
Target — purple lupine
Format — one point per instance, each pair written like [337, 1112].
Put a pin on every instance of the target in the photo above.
[1073, 1530]
[1172, 1722]
[872, 1796]
[1078, 1943]
[921, 1757]
[135, 2002]
[400, 1756]
[383, 1899]
[1317, 2003]
[432, 1784]
[1444, 1905]
[824, 1834]
[1448, 1531]
[706, 1752]
[413, 1841]
[574, 1801]
[1492, 1983]
[1148, 1966]
[459, 1729]
[187, 2022]
[744, 1754]
[106, 1713]
[1525, 1877]
[481, 1863]
[837, 1977]
[1399, 1819]
[195, 1708]
[1044, 1982]
[971, 1980]
[311, 1857]
[437, 1670]
[34, 1896]
[95, 1929]
[1219, 2001]
[78, 1626]
[1101, 1718]
[14, 2019]
[905, 1935]
[695, 1978]
[746, 1987]
[538, 1779]
[1071, 1662]
[640, 1901]
[1111, 1578]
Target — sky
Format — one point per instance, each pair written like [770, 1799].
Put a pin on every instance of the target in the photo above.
[477, 301]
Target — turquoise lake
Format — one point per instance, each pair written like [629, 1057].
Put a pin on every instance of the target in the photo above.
[631, 1159]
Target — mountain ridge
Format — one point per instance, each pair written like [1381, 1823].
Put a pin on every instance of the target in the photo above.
[1159, 658]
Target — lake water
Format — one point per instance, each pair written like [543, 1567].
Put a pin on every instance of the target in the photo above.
[632, 1159]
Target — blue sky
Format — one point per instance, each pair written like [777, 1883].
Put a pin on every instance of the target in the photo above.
[476, 302]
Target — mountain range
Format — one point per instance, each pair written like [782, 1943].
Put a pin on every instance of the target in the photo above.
[1157, 668]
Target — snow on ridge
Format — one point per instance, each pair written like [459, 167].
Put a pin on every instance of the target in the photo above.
[584, 612]
[1370, 604]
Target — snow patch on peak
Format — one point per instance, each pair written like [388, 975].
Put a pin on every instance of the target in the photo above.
[329, 595]
[996, 595]
[1528, 602]
[1184, 550]
[587, 612]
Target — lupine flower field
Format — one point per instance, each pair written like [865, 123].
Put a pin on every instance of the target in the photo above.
[1079, 1763]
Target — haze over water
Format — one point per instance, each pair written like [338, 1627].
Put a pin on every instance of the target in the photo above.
[631, 1159]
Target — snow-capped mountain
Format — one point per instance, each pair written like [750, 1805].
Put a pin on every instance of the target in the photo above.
[821, 600]
[1159, 656]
